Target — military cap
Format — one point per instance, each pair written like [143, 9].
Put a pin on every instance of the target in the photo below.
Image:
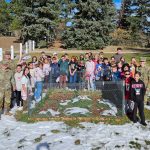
[7, 53]
[142, 59]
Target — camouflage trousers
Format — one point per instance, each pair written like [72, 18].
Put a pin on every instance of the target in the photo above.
[147, 96]
[5, 99]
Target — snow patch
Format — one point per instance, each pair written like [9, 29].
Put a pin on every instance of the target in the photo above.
[75, 110]
[64, 103]
[113, 110]
[53, 112]
[80, 98]
[147, 107]
[15, 134]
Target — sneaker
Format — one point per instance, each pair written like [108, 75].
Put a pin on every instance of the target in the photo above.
[144, 123]
[38, 100]
[20, 108]
[9, 113]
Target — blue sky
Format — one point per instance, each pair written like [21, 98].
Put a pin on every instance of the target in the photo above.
[117, 3]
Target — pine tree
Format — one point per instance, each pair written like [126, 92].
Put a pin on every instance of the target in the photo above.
[5, 18]
[16, 8]
[125, 13]
[143, 13]
[40, 20]
[92, 22]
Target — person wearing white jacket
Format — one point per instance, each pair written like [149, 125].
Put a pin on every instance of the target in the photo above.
[39, 77]
[18, 84]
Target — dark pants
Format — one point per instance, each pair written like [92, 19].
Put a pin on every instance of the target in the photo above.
[54, 84]
[46, 82]
[19, 100]
[140, 107]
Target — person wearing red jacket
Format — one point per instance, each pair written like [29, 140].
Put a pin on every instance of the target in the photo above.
[128, 79]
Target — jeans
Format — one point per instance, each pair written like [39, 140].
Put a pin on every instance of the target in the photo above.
[91, 83]
[73, 78]
[38, 90]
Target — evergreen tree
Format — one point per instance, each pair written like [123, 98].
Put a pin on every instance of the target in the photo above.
[143, 13]
[125, 12]
[5, 18]
[92, 22]
[16, 8]
[40, 20]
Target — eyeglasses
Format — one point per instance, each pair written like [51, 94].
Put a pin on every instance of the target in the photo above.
[127, 74]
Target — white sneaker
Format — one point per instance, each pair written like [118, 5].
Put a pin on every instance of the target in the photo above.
[14, 108]
[33, 104]
[20, 108]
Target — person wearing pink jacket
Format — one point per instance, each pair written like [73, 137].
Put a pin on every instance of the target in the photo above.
[89, 73]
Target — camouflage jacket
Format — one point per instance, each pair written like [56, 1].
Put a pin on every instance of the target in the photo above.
[11, 64]
[7, 76]
[145, 75]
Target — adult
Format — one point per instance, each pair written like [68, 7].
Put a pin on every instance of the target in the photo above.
[118, 55]
[145, 75]
[7, 78]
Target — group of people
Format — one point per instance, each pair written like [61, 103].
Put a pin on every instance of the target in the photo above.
[29, 78]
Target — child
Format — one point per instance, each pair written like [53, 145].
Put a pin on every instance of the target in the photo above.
[128, 79]
[98, 70]
[64, 68]
[80, 70]
[73, 70]
[25, 87]
[46, 71]
[39, 76]
[32, 72]
[89, 73]
[34, 61]
[106, 70]
[133, 66]
[115, 75]
[54, 71]
[137, 95]
[18, 77]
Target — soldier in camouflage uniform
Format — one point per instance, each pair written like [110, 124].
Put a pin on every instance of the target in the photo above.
[7, 83]
[145, 75]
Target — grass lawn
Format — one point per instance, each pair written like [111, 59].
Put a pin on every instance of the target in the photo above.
[127, 56]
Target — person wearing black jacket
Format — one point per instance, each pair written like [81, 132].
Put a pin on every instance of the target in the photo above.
[137, 95]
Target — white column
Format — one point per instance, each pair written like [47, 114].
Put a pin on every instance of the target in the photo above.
[30, 45]
[27, 48]
[1, 54]
[33, 45]
[12, 51]
[20, 51]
